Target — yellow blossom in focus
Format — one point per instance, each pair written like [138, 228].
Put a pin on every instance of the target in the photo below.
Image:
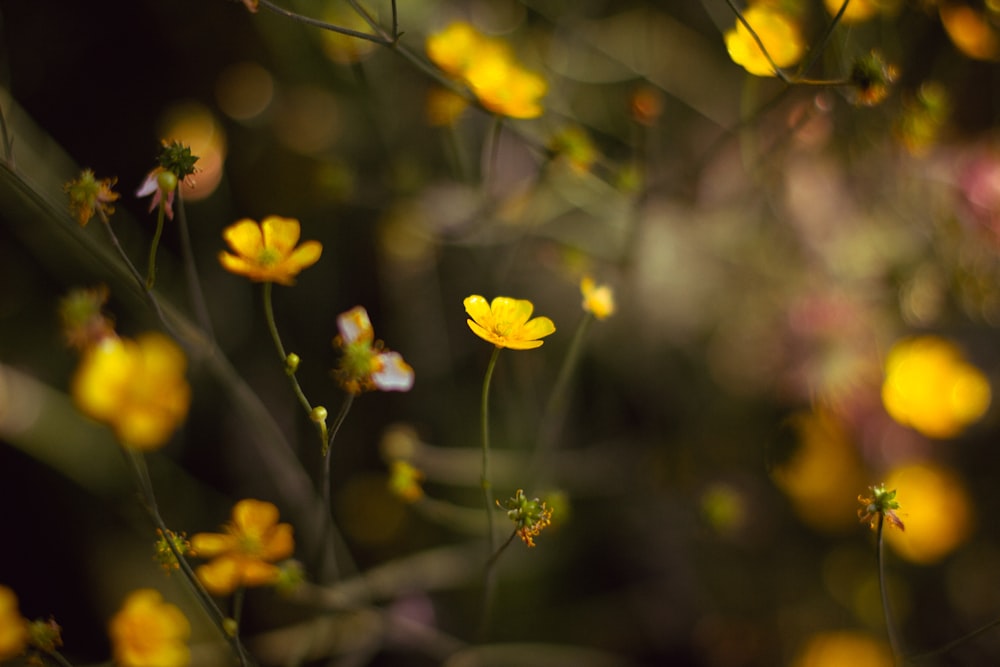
[13, 627]
[779, 34]
[938, 512]
[244, 555]
[89, 197]
[404, 481]
[267, 252]
[930, 387]
[505, 322]
[970, 31]
[137, 387]
[840, 648]
[148, 632]
[597, 299]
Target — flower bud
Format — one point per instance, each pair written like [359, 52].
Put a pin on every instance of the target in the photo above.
[318, 414]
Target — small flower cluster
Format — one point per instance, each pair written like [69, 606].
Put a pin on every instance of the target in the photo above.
[530, 516]
[489, 68]
[881, 503]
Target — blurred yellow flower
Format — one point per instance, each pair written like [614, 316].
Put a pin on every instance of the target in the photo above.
[930, 387]
[505, 322]
[597, 299]
[404, 481]
[366, 364]
[856, 12]
[137, 387]
[937, 509]
[779, 34]
[89, 197]
[13, 627]
[490, 70]
[970, 31]
[444, 106]
[148, 632]
[839, 648]
[244, 555]
[267, 252]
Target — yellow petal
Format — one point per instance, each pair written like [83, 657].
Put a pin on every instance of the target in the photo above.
[479, 310]
[305, 255]
[258, 573]
[279, 544]
[522, 344]
[485, 334]
[221, 576]
[510, 313]
[254, 516]
[244, 237]
[537, 328]
[280, 233]
[208, 545]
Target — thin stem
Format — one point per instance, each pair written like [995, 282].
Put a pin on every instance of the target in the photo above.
[954, 643]
[894, 644]
[760, 44]
[191, 269]
[372, 23]
[328, 526]
[151, 270]
[494, 149]
[489, 587]
[395, 23]
[8, 141]
[484, 476]
[323, 24]
[141, 472]
[817, 51]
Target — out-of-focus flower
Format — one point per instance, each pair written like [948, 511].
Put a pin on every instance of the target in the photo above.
[836, 649]
[598, 300]
[89, 197]
[165, 554]
[13, 627]
[444, 106]
[856, 12]
[82, 319]
[45, 635]
[881, 503]
[267, 252]
[930, 387]
[939, 513]
[979, 184]
[251, 5]
[148, 632]
[777, 31]
[246, 553]
[530, 516]
[366, 365]
[505, 322]
[573, 145]
[162, 186]
[871, 78]
[923, 117]
[489, 68]
[646, 105]
[404, 481]
[137, 387]
[970, 31]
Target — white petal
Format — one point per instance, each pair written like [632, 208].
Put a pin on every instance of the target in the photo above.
[395, 374]
[354, 325]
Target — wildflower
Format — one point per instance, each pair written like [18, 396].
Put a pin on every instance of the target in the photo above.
[148, 632]
[970, 31]
[267, 252]
[597, 299]
[404, 481]
[778, 33]
[45, 635]
[930, 387]
[162, 185]
[529, 516]
[137, 387]
[13, 627]
[576, 148]
[871, 78]
[881, 503]
[176, 158]
[504, 322]
[89, 197]
[244, 555]
[165, 554]
[366, 365]
[81, 318]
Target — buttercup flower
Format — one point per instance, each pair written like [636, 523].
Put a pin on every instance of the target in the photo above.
[779, 34]
[882, 503]
[930, 387]
[89, 197]
[244, 555]
[13, 627]
[529, 516]
[504, 322]
[597, 299]
[267, 252]
[366, 365]
[148, 632]
[137, 387]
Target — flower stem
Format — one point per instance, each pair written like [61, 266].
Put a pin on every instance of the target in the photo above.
[894, 643]
[489, 586]
[141, 472]
[191, 269]
[484, 476]
[151, 270]
[328, 525]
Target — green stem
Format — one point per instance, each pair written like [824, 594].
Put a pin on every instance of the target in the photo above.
[57, 658]
[489, 587]
[494, 148]
[894, 644]
[289, 371]
[760, 44]
[328, 525]
[151, 270]
[141, 472]
[817, 51]
[484, 476]
[191, 269]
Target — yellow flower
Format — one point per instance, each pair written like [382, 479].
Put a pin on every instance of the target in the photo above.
[930, 387]
[597, 299]
[404, 481]
[366, 364]
[135, 387]
[148, 632]
[89, 197]
[857, 10]
[778, 33]
[504, 322]
[452, 49]
[970, 31]
[244, 555]
[267, 252]
[13, 627]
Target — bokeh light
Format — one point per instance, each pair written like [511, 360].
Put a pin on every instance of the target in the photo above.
[936, 509]
[194, 125]
[843, 649]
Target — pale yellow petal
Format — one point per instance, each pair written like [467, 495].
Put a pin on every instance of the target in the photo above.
[244, 237]
[280, 543]
[537, 328]
[281, 233]
[478, 309]
[510, 314]
[485, 334]
[254, 516]
[208, 545]
[220, 576]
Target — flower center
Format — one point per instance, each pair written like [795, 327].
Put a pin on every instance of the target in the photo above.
[268, 257]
